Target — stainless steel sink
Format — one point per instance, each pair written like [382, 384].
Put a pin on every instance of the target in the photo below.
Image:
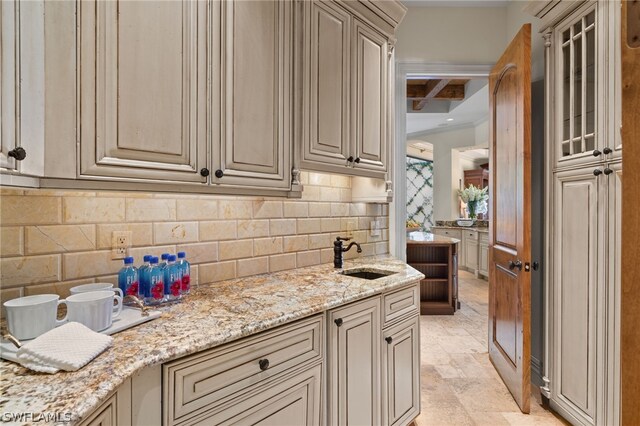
[367, 274]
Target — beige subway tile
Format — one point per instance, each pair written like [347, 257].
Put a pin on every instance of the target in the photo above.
[296, 209]
[372, 239]
[90, 264]
[112, 279]
[319, 209]
[385, 209]
[282, 262]
[214, 272]
[253, 266]
[308, 258]
[341, 181]
[8, 294]
[59, 238]
[374, 209]
[11, 241]
[235, 249]
[141, 234]
[17, 271]
[218, 230]
[197, 209]
[150, 210]
[175, 232]
[93, 209]
[329, 224]
[345, 195]
[58, 193]
[139, 252]
[360, 236]
[368, 249]
[326, 255]
[23, 210]
[320, 241]
[339, 209]
[328, 193]
[62, 289]
[253, 228]
[296, 243]
[385, 234]
[264, 246]
[235, 209]
[308, 226]
[311, 193]
[348, 224]
[282, 227]
[267, 209]
[382, 247]
[6, 191]
[304, 177]
[357, 209]
[200, 252]
[126, 194]
[384, 222]
[319, 179]
[364, 223]
[194, 271]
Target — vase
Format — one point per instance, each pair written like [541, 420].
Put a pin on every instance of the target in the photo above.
[472, 208]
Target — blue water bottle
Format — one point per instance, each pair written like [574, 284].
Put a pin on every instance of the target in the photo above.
[186, 273]
[172, 279]
[143, 277]
[163, 261]
[156, 283]
[128, 278]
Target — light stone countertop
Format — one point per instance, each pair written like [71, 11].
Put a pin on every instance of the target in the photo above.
[210, 316]
[484, 229]
[419, 237]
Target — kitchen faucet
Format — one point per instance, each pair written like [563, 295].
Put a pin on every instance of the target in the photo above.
[338, 250]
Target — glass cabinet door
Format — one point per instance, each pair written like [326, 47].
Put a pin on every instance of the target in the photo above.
[576, 85]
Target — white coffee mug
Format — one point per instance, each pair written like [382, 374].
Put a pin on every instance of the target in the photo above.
[95, 309]
[94, 287]
[30, 316]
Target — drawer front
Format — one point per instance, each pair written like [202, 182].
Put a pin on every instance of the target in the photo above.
[484, 237]
[105, 415]
[205, 380]
[471, 235]
[401, 303]
[451, 233]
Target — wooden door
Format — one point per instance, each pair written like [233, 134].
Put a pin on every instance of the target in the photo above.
[401, 372]
[510, 225]
[354, 364]
[370, 94]
[327, 80]
[253, 147]
[143, 89]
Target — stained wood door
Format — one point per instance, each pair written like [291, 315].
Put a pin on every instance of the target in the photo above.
[354, 364]
[143, 89]
[510, 225]
[253, 147]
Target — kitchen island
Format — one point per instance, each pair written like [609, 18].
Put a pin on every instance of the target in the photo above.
[216, 315]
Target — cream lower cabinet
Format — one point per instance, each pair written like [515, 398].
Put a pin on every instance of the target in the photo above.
[470, 247]
[483, 253]
[114, 411]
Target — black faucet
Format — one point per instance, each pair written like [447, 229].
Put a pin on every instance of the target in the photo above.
[338, 250]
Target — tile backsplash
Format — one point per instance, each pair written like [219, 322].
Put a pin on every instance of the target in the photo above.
[51, 240]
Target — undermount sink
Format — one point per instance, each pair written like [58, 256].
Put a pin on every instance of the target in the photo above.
[367, 275]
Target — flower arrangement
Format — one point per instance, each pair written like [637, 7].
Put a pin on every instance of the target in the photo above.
[475, 199]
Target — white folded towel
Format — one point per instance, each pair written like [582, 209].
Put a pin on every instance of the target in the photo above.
[68, 347]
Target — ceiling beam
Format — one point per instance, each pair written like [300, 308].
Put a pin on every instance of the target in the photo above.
[431, 89]
[453, 92]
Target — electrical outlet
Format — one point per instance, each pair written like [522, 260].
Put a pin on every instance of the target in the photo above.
[374, 228]
[120, 244]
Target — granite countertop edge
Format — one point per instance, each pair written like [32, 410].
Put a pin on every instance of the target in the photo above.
[213, 315]
[464, 228]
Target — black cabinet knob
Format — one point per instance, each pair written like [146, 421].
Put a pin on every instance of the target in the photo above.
[204, 172]
[389, 339]
[608, 171]
[607, 151]
[264, 364]
[357, 160]
[597, 172]
[18, 153]
[338, 322]
[219, 173]
[350, 159]
[596, 153]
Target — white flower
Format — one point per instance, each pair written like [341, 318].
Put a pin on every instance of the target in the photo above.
[473, 194]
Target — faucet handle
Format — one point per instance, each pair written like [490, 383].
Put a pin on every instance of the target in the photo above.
[343, 238]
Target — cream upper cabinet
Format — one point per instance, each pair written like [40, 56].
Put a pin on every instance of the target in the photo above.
[254, 142]
[22, 87]
[370, 96]
[143, 77]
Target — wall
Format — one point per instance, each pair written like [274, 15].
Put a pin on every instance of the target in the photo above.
[516, 17]
[52, 240]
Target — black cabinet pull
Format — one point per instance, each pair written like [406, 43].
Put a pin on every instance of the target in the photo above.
[219, 173]
[357, 160]
[264, 364]
[204, 172]
[389, 339]
[350, 159]
[596, 153]
[607, 151]
[18, 153]
[597, 172]
[608, 171]
[338, 322]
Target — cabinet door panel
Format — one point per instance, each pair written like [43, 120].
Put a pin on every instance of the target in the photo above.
[327, 83]
[370, 94]
[255, 144]
[354, 370]
[143, 89]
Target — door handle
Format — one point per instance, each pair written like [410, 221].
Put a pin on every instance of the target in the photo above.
[513, 265]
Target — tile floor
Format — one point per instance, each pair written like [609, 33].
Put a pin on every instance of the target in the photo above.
[459, 384]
